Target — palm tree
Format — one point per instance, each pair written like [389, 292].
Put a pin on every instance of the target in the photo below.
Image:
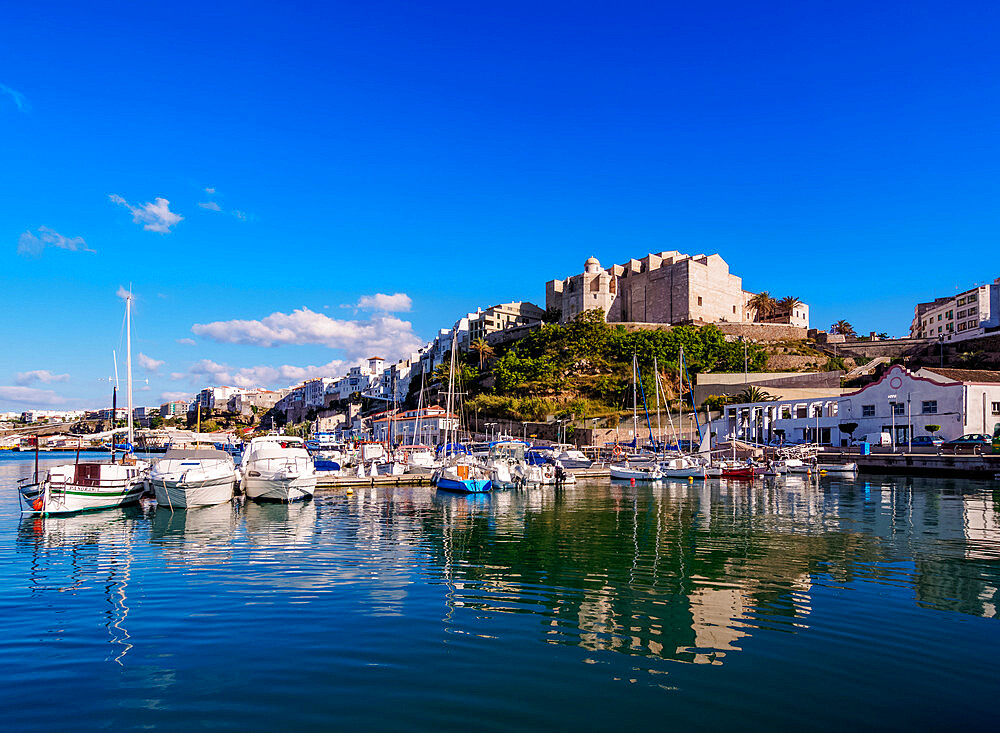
[481, 347]
[843, 328]
[972, 359]
[788, 304]
[763, 305]
[753, 393]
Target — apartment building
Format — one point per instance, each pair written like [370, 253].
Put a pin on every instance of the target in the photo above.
[969, 314]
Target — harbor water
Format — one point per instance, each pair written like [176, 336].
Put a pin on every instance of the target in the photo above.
[828, 603]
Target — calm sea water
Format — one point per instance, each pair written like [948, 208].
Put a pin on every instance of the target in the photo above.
[829, 604]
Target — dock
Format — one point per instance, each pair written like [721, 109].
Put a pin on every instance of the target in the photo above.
[921, 464]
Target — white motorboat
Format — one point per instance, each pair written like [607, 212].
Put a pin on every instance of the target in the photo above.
[190, 477]
[278, 468]
[627, 472]
[418, 459]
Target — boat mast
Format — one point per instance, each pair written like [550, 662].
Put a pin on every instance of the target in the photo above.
[680, 395]
[114, 404]
[659, 428]
[635, 402]
[128, 363]
[449, 432]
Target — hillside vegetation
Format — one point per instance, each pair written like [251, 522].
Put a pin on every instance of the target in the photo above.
[584, 368]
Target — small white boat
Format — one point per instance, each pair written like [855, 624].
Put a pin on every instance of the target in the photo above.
[278, 468]
[628, 472]
[682, 467]
[838, 469]
[193, 477]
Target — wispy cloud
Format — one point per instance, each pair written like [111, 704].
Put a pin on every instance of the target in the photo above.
[150, 364]
[384, 335]
[241, 215]
[395, 303]
[39, 375]
[19, 99]
[209, 191]
[207, 371]
[154, 217]
[29, 396]
[123, 292]
[33, 244]
[186, 341]
[173, 396]
[210, 205]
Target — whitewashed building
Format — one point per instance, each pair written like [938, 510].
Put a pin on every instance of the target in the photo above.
[901, 403]
[424, 426]
[970, 314]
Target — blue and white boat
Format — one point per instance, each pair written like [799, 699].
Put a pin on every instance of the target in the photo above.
[464, 477]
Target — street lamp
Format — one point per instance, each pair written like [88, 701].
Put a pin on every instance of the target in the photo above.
[892, 408]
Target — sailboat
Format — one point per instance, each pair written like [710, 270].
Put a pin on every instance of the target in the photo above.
[635, 472]
[680, 466]
[460, 472]
[88, 485]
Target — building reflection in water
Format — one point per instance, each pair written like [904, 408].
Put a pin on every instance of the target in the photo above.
[689, 572]
[684, 572]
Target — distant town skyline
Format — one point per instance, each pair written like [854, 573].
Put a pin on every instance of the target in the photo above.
[291, 190]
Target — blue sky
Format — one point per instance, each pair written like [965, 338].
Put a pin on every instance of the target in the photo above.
[461, 156]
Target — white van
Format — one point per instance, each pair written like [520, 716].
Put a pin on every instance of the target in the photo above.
[877, 439]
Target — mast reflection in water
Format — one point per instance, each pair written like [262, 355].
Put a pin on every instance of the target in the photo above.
[592, 605]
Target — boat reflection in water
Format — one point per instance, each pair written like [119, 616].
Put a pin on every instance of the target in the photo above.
[719, 602]
[77, 554]
[198, 535]
[274, 525]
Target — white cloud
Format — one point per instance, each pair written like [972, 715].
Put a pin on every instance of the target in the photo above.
[241, 215]
[19, 100]
[174, 396]
[395, 303]
[39, 375]
[210, 205]
[34, 244]
[385, 335]
[207, 371]
[29, 396]
[186, 341]
[209, 191]
[154, 217]
[150, 364]
[123, 292]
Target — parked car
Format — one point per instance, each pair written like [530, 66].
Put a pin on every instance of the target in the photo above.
[969, 443]
[927, 441]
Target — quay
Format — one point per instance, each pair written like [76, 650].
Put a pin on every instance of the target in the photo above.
[921, 464]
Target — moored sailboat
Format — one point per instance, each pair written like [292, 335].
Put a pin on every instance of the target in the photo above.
[89, 485]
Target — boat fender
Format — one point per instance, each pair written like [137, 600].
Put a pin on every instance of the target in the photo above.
[350, 491]
[38, 504]
[631, 482]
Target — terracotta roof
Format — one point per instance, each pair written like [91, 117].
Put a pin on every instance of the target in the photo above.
[975, 376]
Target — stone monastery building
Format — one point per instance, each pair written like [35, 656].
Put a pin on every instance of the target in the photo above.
[669, 287]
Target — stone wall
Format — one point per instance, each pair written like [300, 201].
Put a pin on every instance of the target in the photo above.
[764, 331]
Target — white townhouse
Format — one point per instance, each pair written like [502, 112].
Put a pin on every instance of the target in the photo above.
[424, 426]
[901, 403]
[969, 314]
